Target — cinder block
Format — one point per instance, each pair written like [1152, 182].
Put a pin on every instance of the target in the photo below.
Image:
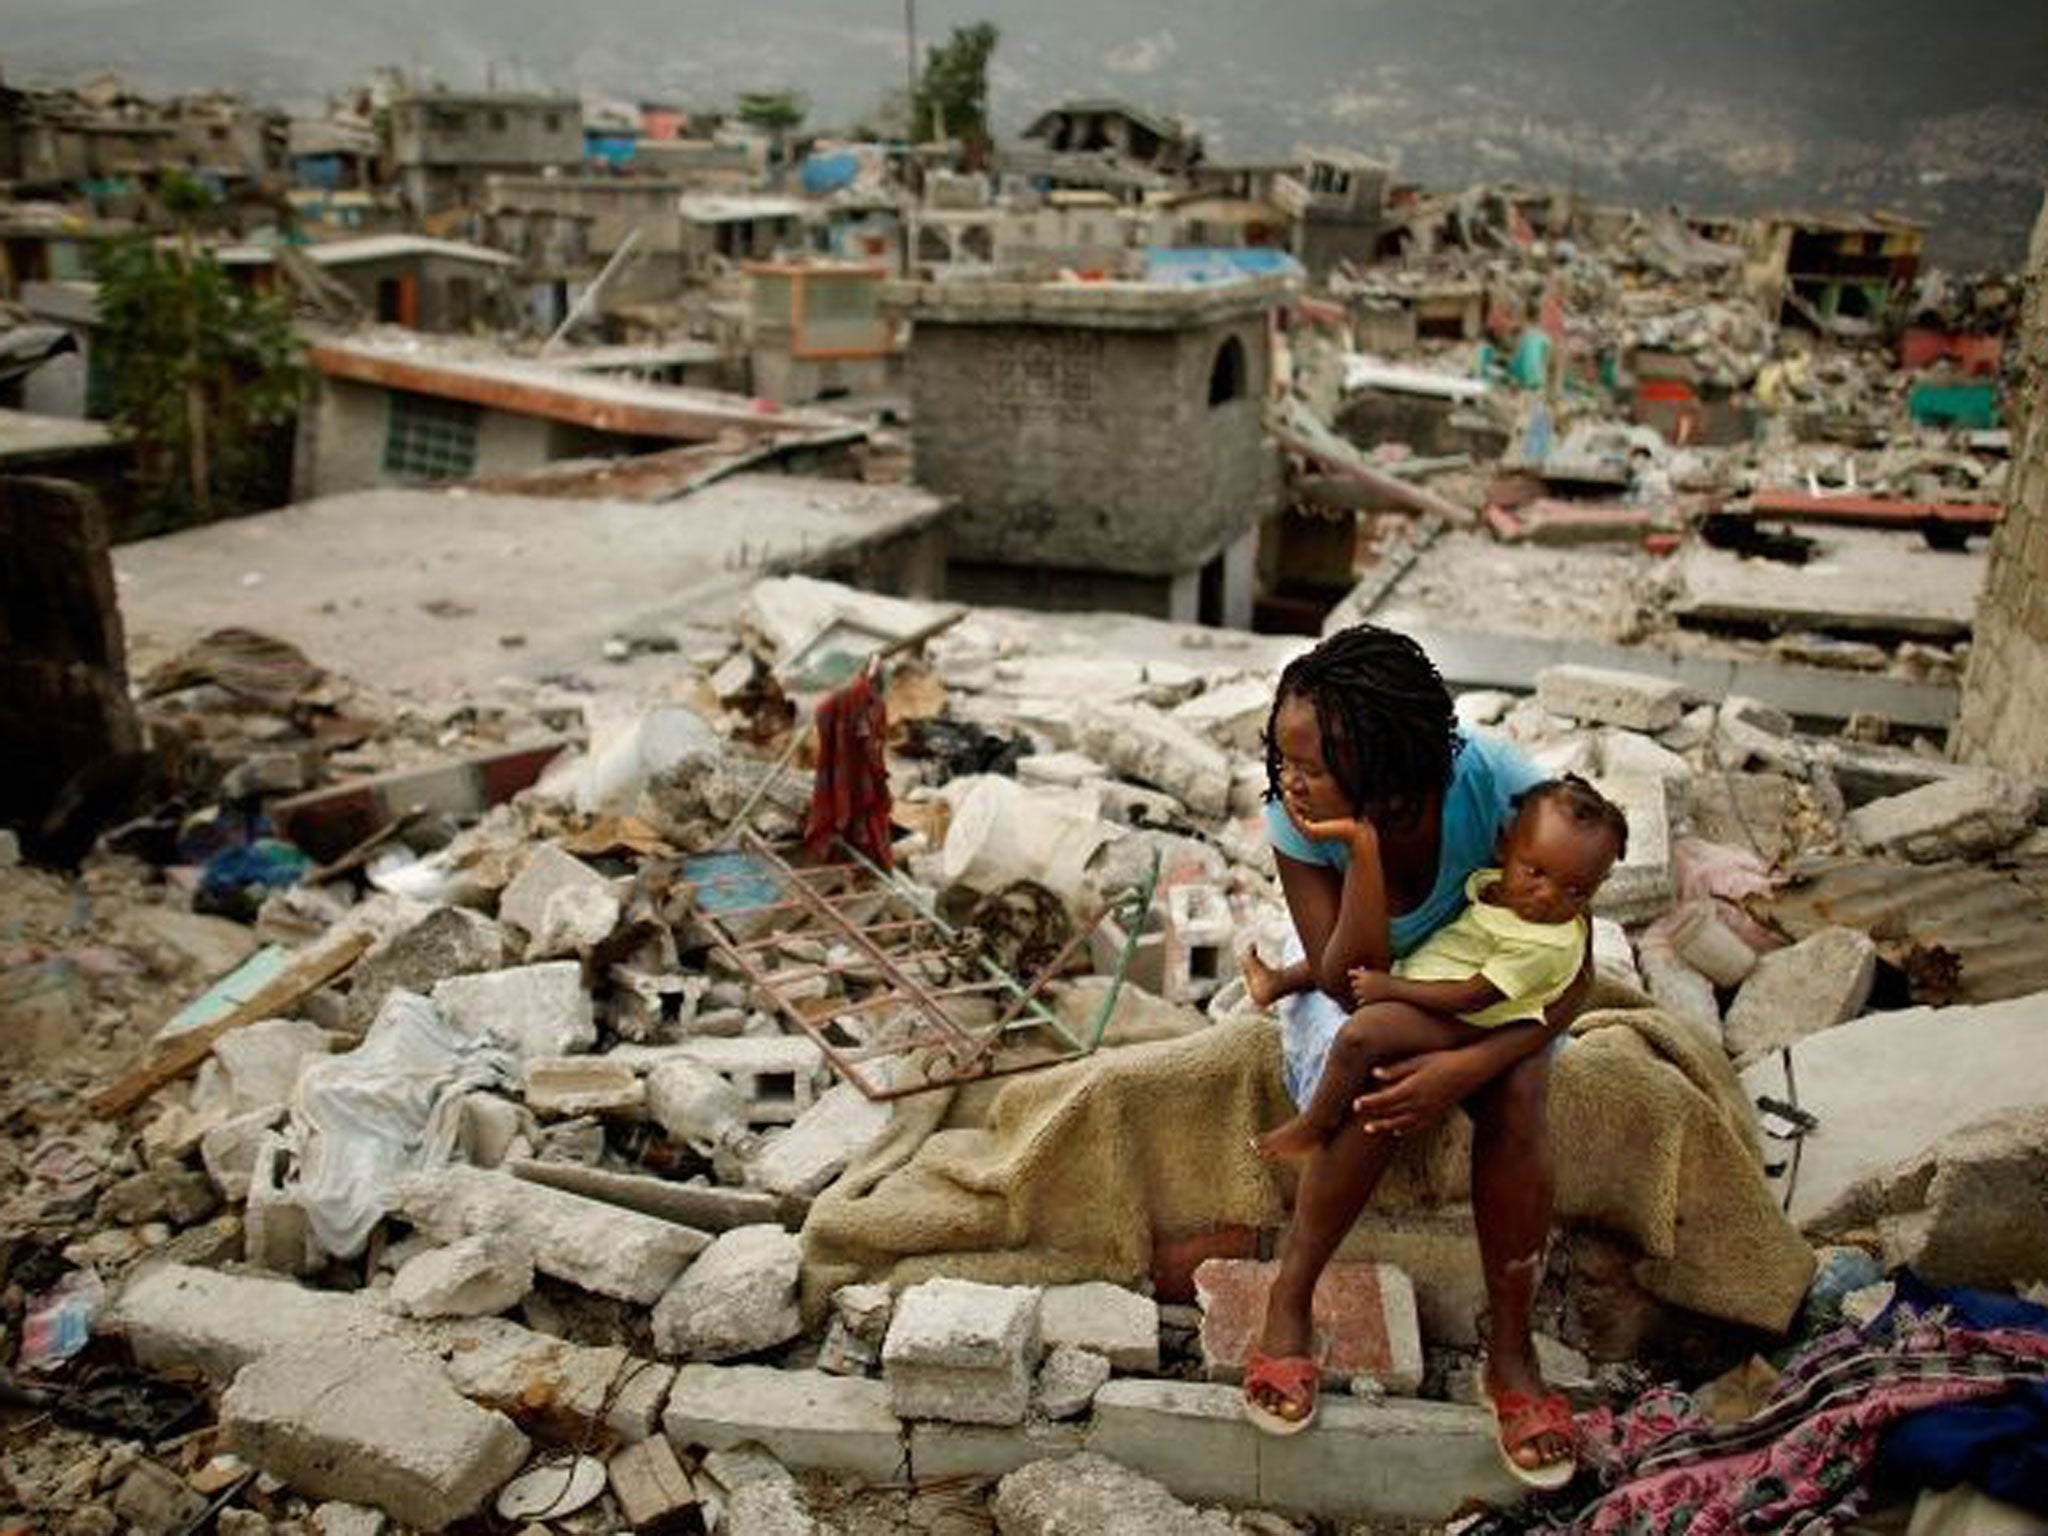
[370, 1425]
[537, 1010]
[780, 1076]
[277, 1234]
[1365, 1321]
[1119, 1325]
[962, 1351]
[599, 1247]
[807, 1419]
[1636, 701]
[1199, 930]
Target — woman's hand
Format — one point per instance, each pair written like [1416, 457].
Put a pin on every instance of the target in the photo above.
[1354, 831]
[1416, 1092]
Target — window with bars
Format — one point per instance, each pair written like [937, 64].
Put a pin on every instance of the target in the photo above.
[430, 439]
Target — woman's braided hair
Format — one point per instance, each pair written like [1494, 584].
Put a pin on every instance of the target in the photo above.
[1388, 730]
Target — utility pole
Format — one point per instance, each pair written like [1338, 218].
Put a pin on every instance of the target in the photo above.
[911, 179]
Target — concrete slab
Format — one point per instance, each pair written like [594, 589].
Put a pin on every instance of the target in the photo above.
[1888, 1084]
[1859, 580]
[348, 578]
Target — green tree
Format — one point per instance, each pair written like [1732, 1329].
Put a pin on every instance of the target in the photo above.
[204, 372]
[775, 113]
[952, 92]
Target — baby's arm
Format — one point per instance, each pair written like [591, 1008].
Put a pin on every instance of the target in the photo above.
[1449, 998]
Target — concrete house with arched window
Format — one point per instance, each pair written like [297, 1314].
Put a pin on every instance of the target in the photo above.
[1103, 442]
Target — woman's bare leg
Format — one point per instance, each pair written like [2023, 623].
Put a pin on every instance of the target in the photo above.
[1513, 1184]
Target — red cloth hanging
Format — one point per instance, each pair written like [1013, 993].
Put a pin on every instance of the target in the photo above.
[851, 798]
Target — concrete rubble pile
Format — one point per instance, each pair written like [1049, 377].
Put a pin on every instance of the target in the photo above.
[511, 1188]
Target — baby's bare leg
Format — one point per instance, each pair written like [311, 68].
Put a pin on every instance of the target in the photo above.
[1370, 1038]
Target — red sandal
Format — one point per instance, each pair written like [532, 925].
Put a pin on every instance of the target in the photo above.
[1521, 1419]
[1291, 1378]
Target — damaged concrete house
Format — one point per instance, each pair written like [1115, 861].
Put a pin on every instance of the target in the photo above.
[660, 950]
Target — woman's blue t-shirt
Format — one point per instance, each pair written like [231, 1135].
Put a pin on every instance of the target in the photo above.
[1486, 776]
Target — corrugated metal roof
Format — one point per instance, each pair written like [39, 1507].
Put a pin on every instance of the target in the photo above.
[1993, 920]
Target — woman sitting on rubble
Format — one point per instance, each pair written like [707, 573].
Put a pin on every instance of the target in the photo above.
[1380, 808]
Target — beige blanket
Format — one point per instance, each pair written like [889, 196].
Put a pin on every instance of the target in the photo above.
[1072, 1173]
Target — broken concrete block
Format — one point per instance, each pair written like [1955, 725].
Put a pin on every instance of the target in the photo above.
[1614, 958]
[154, 1501]
[1676, 987]
[1626, 752]
[737, 1298]
[176, 1195]
[1963, 817]
[338, 1519]
[229, 1149]
[1815, 984]
[563, 1087]
[697, 1106]
[1199, 931]
[259, 1065]
[568, 1394]
[1636, 701]
[1068, 1381]
[598, 1247]
[1747, 731]
[537, 1010]
[448, 941]
[374, 1425]
[475, 1277]
[1119, 1325]
[1639, 887]
[1141, 743]
[761, 1498]
[1089, 1492]
[561, 904]
[962, 1351]
[1970, 1210]
[653, 1490]
[807, 1157]
[807, 1419]
[1232, 715]
[1365, 1321]
[866, 1310]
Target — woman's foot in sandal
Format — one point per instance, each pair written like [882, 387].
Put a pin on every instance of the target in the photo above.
[1280, 1392]
[1532, 1431]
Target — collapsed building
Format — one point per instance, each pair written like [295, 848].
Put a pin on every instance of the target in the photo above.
[442, 1086]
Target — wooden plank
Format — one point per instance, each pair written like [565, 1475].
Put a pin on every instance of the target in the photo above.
[183, 1053]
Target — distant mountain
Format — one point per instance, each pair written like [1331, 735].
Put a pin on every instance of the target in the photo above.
[1938, 111]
